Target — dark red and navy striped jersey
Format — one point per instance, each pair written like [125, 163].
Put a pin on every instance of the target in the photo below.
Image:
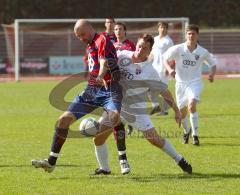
[101, 47]
[125, 45]
[112, 37]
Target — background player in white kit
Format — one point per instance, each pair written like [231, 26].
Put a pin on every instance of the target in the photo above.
[137, 76]
[161, 44]
[189, 58]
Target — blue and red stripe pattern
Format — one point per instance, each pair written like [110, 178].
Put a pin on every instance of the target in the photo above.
[101, 47]
[112, 37]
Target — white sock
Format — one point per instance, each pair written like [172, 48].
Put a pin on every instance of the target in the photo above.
[155, 104]
[194, 123]
[102, 156]
[186, 129]
[121, 152]
[170, 150]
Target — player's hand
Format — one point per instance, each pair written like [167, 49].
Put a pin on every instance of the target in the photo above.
[211, 78]
[178, 118]
[166, 73]
[172, 73]
[101, 81]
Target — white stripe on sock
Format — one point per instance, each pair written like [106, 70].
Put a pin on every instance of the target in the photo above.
[54, 154]
[121, 152]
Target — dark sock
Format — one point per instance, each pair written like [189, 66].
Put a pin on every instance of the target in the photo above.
[59, 138]
[52, 160]
[122, 157]
[119, 135]
[130, 127]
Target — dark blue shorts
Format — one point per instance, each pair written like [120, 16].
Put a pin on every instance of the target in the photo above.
[94, 97]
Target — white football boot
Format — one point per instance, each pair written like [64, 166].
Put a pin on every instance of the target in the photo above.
[44, 164]
[125, 168]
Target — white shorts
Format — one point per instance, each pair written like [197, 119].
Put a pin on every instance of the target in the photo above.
[185, 92]
[141, 122]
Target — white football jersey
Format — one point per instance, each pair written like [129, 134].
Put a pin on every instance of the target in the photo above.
[135, 71]
[160, 46]
[136, 79]
[188, 64]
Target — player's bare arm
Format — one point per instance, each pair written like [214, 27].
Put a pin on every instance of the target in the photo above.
[170, 69]
[169, 99]
[212, 74]
[102, 71]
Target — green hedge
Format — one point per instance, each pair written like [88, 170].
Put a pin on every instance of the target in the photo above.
[214, 13]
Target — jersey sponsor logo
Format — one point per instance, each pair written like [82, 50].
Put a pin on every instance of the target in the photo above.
[189, 62]
[138, 71]
[126, 74]
[125, 61]
[197, 57]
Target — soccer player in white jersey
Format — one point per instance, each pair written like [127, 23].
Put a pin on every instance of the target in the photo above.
[189, 58]
[137, 75]
[161, 43]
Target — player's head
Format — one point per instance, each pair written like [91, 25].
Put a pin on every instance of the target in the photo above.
[84, 31]
[109, 25]
[192, 33]
[162, 28]
[120, 30]
[144, 46]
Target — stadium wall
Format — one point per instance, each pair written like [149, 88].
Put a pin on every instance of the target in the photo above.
[39, 60]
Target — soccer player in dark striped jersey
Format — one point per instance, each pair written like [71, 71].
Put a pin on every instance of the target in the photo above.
[103, 90]
[109, 25]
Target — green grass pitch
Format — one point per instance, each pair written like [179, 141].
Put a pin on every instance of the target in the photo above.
[27, 120]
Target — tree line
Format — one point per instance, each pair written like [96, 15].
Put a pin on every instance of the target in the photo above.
[211, 13]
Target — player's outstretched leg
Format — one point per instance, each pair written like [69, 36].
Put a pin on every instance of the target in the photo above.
[152, 136]
[48, 165]
[101, 153]
[170, 150]
[59, 138]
